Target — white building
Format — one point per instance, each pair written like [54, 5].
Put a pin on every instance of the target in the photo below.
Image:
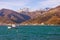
[42, 23]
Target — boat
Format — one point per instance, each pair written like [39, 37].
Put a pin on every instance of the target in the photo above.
[9, 27]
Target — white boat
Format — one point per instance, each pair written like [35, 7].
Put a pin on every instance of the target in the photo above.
[9, 27]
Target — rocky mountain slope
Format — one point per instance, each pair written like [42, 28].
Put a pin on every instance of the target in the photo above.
[51, 16]
[10, 16]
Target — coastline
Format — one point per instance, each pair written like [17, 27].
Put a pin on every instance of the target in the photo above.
[28, 25]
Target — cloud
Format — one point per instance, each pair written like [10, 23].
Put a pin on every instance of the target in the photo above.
[15, 3]
[48, 3]
[33, 4]
[11, 4]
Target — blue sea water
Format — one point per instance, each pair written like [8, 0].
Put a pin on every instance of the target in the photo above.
[30, 32]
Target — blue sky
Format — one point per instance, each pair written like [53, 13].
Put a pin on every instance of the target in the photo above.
[32, 4]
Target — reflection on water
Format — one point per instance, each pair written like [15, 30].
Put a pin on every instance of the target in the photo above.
[30, 33]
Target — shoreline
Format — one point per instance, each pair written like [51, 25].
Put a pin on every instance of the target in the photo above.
[28, 25]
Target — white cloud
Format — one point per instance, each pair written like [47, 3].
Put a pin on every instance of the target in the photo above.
[16, 3]
[49, 3]
[23, 3]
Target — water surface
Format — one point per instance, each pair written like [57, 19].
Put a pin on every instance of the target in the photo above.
[30, 32]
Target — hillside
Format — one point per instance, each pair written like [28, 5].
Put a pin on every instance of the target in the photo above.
[53, 20]
[51, 16]
[10, 16]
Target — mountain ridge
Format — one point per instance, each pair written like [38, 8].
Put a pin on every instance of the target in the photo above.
[35, 17]
[47, 17]
[13, 16]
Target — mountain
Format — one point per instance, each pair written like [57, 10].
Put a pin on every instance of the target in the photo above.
[53, 20]
[54, 16]
[10, 16]
[33, 14]
[51, 16]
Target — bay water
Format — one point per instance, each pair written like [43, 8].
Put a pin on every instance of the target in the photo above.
[30, 32]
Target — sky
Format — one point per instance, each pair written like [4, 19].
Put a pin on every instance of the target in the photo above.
[31, 4]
